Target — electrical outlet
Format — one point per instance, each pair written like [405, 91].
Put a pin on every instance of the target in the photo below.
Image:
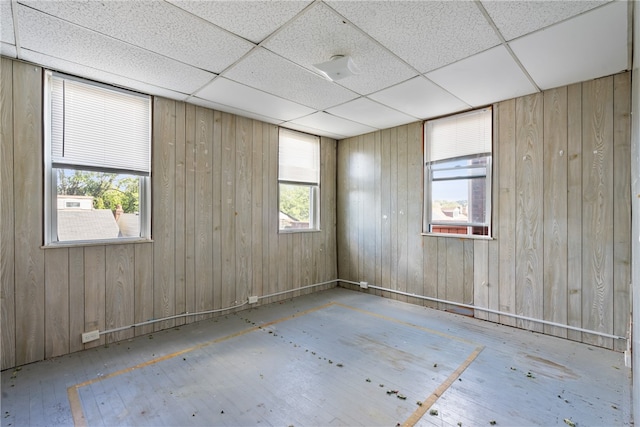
[253, 299]
[364, 285]
[90, 336]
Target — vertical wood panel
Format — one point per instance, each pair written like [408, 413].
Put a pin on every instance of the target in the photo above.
[119, 291]
[402, 210]
[228, 214]
[76, 298]
[143, 287]
[467, 273]
[529, 237]
[274, 210]
[481, 282]
[341, 208]
[430, 269]
[377, 188]
[393, 204]
[216, 217]
[368, 220]
[56, 268]
[94, 291]
[7, 259]
[597, 214]
[27, 182]
[442, 279]
[190, 210]
[385, 203]
[574, 210]
[555, 209]
[257, 208]
[180, 212]
[164, 160]
[621, 207]
[203, 211]
[506, 121]
[455, 270]
[243, 208]
[414, 212]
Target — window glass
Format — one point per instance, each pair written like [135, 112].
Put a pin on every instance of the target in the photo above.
[298, 181]
[458, 187]
[97, 161]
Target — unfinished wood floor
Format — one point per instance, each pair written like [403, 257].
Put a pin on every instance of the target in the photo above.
[336, 357]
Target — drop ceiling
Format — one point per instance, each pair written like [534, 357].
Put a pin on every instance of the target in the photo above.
[417, 59]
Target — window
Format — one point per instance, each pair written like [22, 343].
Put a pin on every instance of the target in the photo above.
[97, 161]
[298, 181]
[458, 174]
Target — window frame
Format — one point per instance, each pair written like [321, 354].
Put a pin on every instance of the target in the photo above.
[428, 172]
[314, 187]
[51, 181]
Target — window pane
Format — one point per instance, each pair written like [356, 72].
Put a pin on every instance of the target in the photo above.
[295, 206]
[97, 205]
[458, 201]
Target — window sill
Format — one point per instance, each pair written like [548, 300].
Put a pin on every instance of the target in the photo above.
[299, 230]
[85, 243]
[459, 236]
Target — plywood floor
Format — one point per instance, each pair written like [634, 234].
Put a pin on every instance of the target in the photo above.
[331, 358]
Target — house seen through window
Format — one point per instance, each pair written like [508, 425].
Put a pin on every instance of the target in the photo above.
[298, 181]
[458, 174]
[97, 161]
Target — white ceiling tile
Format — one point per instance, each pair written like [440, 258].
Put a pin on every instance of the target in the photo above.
[370, 113]
[228, 109]
[6, 23]
[421, 98]
[589, 46]
[236, 95]
[426, 34]
[53, 37]
[7, 49]
[320, 33]
[484, 78]
[80, 70]
[154, 25]
[516, 18]
[333, 124]
[271, 73]
[253, 20]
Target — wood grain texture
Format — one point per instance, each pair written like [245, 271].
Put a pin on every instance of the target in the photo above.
[481, 282]
[143, 287]
[94, 291]
[621, 207]
[76, 298]
[529, 220]
[414, 212]
[506, 213]
[597, 213]
[228, 210]
[257, 210]
[555, 210]
[204, 211]
[574, 210]
[180, 212]
[163, 188]
[243, 208]
[190, 210]
[386, 142]
[216, 216]
[28, 213]
[56, 268]
[7, 236]
[120, 291]
[402, 208]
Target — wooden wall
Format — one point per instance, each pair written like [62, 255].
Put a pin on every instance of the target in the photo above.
[214, 226]
[561, 215]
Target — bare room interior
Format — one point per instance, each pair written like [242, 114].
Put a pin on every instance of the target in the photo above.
[319, 212]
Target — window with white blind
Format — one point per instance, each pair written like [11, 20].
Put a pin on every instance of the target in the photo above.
[458, 174]
[298, 181]
[97, 161]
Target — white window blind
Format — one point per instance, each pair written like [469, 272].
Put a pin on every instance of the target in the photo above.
[97, 127]
[460, 135]
[299, 157]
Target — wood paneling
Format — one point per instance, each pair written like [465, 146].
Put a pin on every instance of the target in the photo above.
[214, 229]
[597, 208]
[7, 225]
[561, 215]
[28, 213]
[555, 210]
